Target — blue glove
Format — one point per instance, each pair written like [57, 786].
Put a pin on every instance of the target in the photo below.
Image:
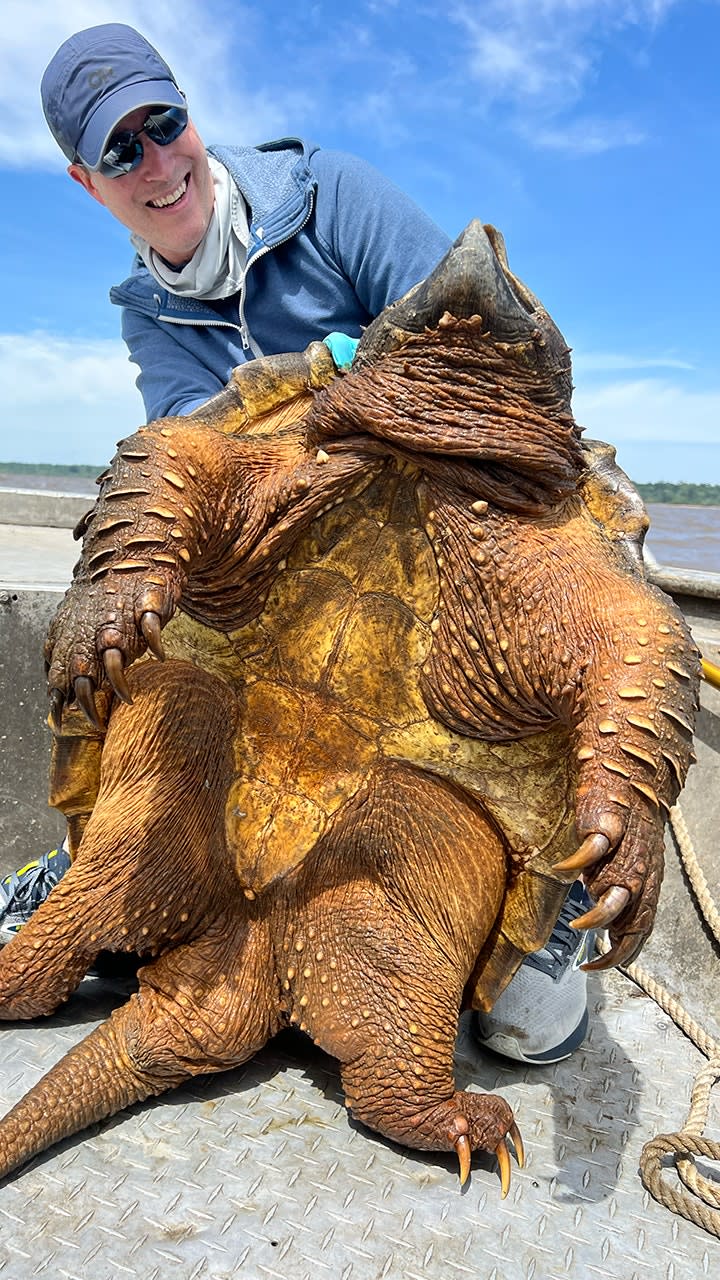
[341, 348]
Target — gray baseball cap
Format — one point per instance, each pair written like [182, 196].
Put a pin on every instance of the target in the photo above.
[96, 77]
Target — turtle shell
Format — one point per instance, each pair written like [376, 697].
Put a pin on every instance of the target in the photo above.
[328, 677]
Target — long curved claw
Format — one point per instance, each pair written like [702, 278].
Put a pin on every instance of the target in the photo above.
[503, 1159]
[464, 1154]
[85, 698]
[608, 908]
[518, 1145]
[115, 672]
[622, 953]
[151, 628]
[593, 849]
[57, 702]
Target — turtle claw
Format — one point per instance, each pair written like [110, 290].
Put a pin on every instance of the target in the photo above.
[518, 1145]
[464, 1155]
[150, 626]
[503, 1159]
[115, 672]
[593, 848]
[608, 908]
[463, 1150]
[85, 698]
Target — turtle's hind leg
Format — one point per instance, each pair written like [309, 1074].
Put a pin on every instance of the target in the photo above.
[208, 1006]
[152, 868]
[400, 899]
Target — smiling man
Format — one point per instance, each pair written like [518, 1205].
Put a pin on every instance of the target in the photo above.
[242, 252]
[166, 198]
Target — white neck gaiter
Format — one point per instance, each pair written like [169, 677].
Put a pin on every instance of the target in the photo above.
[217, 267]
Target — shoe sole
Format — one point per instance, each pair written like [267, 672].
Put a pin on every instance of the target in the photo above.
[508, 1048]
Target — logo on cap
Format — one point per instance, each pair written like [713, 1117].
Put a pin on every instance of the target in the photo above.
[98, 78]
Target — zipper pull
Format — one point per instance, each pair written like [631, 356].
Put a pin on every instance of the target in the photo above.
[244, 335]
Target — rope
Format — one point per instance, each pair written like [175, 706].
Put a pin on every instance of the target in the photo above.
[694, 871]
[702, 1205]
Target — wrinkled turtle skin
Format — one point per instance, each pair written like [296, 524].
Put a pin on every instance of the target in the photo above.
[411, 682]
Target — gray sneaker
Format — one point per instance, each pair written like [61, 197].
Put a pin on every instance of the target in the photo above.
[542, 1014]
[22, 892]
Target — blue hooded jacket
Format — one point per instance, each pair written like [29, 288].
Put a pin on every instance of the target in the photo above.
[332, 242]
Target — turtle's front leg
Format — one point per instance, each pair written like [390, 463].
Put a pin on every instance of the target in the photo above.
[551, 623]
[184, 512]
[160, 506]
[635, 712]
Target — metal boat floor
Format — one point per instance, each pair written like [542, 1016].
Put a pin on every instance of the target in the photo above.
[260, 1172]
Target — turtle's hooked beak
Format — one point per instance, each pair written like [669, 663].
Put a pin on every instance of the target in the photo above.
[473, 279]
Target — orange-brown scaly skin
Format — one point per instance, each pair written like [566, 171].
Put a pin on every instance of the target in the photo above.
[556, 625]
[388, 591]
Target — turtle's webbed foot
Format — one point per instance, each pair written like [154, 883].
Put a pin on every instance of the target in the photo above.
[475, 1127]
[460, 1122]
[470, 1122]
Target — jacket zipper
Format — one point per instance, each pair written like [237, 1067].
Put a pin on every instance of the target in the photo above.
[244, 332]
[242, 326]
[210, 324]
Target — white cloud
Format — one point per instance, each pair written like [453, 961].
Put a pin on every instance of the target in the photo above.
[375, 112]
[585, 136]
[538, 57]
[199, 50]
[546, 48]
[531, 59]
[611, 361]
[648, 409]
[65, 400]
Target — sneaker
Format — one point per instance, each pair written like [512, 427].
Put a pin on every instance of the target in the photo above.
[22, 892]
[542, 1014]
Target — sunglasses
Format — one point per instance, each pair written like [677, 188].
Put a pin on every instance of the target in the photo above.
[125, 150]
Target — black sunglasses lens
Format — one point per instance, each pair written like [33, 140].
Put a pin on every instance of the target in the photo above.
[164, 127]
[124, 153]
[126, 150]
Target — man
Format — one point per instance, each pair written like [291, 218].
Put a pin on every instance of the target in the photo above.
[243, 252]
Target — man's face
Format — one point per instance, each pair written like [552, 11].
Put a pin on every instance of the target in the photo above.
[177, 173]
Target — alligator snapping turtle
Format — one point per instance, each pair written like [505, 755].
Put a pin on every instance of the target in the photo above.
[415, 683]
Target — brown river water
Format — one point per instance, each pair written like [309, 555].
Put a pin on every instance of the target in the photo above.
[686, 537]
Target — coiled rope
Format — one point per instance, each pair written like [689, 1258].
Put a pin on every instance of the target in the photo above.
[700, 1201]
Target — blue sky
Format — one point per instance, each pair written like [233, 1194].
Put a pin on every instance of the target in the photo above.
[586, 130]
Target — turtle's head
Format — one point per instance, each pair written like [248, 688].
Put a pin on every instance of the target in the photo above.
[468, 366]
[474, 281]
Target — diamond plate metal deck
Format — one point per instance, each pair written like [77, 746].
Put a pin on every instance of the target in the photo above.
[260, 1173]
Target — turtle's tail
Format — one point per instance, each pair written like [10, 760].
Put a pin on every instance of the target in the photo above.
[93, 1081]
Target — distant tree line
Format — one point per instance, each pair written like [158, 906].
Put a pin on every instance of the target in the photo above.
[49, 469]
[685, 494]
